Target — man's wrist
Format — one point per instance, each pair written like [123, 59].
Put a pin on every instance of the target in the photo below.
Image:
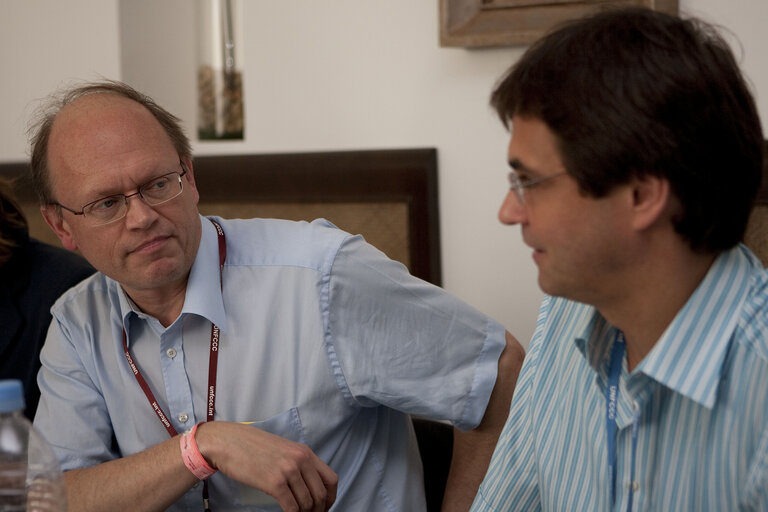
[192, 457]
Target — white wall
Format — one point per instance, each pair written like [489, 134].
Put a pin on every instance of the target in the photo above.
[46, 43]
[370, 74]
[338, 74]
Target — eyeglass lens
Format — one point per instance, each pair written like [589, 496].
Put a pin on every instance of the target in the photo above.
[114, 207]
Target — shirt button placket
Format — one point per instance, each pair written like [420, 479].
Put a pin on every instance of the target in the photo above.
[176, 380]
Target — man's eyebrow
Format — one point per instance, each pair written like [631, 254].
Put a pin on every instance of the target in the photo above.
[104, 191]
[115, 190]
[519, 166]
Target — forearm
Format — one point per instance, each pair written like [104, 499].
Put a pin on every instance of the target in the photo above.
[155, 478]
[151, 480]
[472, 450]
[471, 456]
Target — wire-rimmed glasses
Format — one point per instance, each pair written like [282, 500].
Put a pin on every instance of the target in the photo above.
[112, 208]
[519, 185]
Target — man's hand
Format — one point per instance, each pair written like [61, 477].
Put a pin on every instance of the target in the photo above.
[289, 472]
[152, 480]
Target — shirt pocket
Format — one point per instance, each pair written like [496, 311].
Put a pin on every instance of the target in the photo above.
[288, 425]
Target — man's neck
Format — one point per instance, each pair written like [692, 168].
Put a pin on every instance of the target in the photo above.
[652, 297]
[165, 305]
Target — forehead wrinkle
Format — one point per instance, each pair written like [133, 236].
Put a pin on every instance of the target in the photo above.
[104, 132]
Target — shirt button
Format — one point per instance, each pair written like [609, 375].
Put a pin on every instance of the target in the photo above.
[183, 417]
[170, 353]
[635, 486]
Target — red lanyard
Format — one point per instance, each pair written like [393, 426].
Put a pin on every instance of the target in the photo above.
[213, 360]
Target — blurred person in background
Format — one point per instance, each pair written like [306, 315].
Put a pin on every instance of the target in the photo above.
[32, 276]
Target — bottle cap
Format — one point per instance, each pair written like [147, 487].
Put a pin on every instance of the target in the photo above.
[11, 396]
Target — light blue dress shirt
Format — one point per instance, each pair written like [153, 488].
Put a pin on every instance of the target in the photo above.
[702, 394]
[324, 341]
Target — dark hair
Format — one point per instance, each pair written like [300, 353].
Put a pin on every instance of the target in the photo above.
[634, 92]
[13, 224]
[40, 132]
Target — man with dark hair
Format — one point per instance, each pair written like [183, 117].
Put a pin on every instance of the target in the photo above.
[261, 356]
[636, 154]
[32, 276]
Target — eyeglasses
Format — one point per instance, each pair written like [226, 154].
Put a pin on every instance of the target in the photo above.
[113, 208]
[519, 185]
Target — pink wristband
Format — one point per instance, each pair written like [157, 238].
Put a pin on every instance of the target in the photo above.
[192, 457]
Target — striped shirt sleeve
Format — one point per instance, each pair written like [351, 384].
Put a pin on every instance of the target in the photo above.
[512, 482]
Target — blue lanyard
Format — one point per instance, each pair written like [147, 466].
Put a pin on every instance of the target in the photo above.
[611, 397]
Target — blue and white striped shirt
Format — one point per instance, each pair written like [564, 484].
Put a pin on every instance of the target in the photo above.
[702, 393]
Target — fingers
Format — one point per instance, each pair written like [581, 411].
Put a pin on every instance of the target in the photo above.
[321, 482]
[330, 482]
[315, 486]
[305, 492]
[290, 472]
[303, 482]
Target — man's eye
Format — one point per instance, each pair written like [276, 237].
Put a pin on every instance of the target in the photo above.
[525, 181]
[105, 204]
[156, 185]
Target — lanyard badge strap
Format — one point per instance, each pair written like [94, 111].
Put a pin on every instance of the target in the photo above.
[213, 361]
[611, 401]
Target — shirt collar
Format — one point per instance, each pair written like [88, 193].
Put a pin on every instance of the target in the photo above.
[689, 356]
[594, 338]
[203, 296]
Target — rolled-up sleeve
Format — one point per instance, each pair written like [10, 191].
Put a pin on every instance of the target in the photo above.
[398, 341]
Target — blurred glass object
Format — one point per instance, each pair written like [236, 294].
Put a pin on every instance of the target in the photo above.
[219, 77]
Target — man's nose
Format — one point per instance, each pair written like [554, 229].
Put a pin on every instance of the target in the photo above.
[138, 212]
[512, 210]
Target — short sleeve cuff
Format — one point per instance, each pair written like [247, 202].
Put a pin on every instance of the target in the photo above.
[486, 370]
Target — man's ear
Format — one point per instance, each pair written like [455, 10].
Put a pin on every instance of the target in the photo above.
[55, 220]
[190, 177]
[651, 196]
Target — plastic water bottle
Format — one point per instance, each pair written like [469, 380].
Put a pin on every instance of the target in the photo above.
[30, 476]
